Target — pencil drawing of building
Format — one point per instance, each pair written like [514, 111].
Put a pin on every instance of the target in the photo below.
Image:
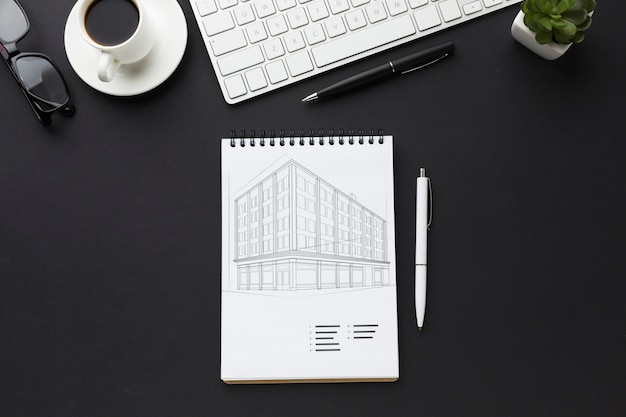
[295, 231]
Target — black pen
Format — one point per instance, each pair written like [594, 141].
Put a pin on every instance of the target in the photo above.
[399, 66]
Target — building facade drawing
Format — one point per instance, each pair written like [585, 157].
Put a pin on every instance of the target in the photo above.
[295, 231]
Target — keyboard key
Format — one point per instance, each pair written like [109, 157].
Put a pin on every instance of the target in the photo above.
[357, 3]
[225, 4]
[338, 6]
[414, 4]
[277, 25]
[472, 7]
[218, 23]
[276, 72]
[294, 41]
[396, 7]
[297, 18]
[235, 86]
[314, 34]
[427, 18]
[356, 19]
[240, 60]
[299, 63]
[264, 8]
[273, 48]
[285, 4]
[376, 12]
[206, 7]
[491, 3]
[243, 14]
[256, 79]
[256, 32]
[449, 10]
[335, 27]
[228, 42]
[364, 40]
[317, 10]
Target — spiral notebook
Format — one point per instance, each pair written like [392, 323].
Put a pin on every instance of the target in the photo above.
[308, 259]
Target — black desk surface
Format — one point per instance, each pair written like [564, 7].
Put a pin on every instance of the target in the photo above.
[110, 234]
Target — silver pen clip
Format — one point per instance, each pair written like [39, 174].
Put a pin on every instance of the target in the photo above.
[439, 58]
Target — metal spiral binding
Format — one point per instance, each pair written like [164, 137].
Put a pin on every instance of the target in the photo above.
[301, 138]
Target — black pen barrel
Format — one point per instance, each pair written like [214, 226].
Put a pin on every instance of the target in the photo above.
[395, 67]
[423, 57]
[357, 80]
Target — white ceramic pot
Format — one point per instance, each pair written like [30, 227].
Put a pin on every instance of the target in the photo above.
[526, 37]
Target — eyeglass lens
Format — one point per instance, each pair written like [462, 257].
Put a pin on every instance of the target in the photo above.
[42, 80]
[13, 22]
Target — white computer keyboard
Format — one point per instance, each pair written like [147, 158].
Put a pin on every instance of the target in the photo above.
[257, 46]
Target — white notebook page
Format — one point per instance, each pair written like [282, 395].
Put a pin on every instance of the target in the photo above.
[308, 262]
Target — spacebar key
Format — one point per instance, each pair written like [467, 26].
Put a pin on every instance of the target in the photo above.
[363, 40]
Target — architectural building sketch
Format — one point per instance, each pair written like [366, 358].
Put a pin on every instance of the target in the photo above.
[295, 231]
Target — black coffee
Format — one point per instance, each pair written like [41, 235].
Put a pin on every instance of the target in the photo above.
[111, 22]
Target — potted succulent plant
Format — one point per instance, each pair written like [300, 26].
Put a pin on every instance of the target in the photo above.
[550, 27]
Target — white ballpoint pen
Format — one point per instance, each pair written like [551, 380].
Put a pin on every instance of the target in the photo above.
[421, 228]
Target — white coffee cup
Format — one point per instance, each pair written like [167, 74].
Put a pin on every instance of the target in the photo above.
[125, 51]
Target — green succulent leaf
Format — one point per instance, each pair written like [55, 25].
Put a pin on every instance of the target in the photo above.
[578, 5]
[545, 23]
[535, 23]
[578, 37]
[585, 25]
[565, 5]
[560, 38]
[565, 27]
[543, 37]
[532, 4]
[558, 23]
[527, 7]
[547, 7]
[588, 5]
[575, 16]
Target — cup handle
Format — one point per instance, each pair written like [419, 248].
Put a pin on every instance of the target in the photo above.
[107, 65]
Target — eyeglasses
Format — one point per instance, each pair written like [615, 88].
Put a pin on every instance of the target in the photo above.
[38, 77]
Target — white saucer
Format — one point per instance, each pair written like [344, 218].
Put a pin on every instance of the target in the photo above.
[144, 75]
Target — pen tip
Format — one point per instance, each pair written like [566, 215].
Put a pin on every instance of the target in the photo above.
[310, 97]
[419, 329]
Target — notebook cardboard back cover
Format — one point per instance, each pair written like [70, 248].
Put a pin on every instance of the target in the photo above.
[308, 262]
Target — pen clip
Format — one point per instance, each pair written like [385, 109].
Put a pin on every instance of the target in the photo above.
[430, 205]
[435, 60]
